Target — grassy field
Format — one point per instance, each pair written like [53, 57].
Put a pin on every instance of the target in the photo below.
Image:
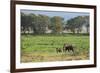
[42, 48]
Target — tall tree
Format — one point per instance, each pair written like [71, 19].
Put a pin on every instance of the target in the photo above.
[42, 23]
[71, 25]
[77, 23]
[86, 19]
[56, 24]
[34, 21]
[25, 22]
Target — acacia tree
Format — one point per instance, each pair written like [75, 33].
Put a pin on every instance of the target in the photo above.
[77, 23]
[86, 20]
[42, 22]
[71, 25]
[56, 24]
[37, 23]
[34, 22]
[25, 22]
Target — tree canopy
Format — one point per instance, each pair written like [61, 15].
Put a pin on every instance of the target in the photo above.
[39, 24]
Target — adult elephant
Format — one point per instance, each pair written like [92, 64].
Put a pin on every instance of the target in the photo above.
[68, 47]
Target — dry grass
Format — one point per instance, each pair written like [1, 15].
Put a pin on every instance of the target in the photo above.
[44, 57]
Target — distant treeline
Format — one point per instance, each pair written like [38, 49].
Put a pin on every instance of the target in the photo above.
[40, 24]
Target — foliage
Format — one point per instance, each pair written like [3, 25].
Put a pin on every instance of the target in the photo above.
[56, 24]
[39, 24]
[77, 23]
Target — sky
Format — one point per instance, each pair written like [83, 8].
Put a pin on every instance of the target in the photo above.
[65, 15]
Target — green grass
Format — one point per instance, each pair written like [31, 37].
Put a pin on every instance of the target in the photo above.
[38, 48]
